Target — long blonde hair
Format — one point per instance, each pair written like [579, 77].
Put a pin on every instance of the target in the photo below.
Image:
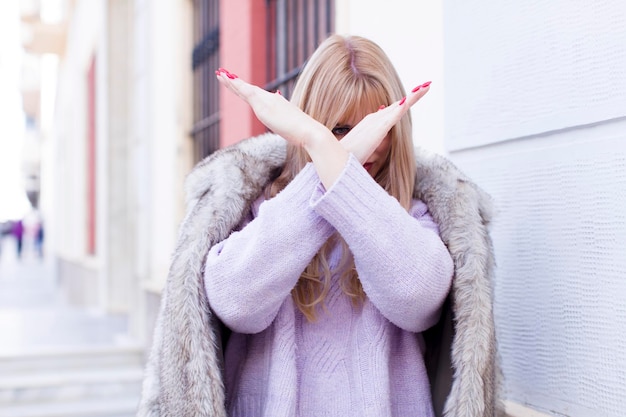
[345, 79]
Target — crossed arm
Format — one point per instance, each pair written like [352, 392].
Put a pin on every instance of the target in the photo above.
[407, 286]
[327, 154]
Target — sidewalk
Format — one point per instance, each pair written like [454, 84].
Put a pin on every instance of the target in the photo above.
[33, 314]
[57, 360]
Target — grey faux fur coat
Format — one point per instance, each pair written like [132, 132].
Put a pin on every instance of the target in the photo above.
[183, 374]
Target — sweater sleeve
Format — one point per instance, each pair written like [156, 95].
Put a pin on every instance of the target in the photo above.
[249, 274]
[403, 265]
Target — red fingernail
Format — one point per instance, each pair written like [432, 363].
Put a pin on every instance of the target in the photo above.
[228, 73]
[402, 101]
[416, 89]
[382, 106]
[426, 84]
[217, 73]
[279, 93]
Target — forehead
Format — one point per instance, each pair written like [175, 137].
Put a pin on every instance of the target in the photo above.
[346, 100]
[349, 120]
[358, 109]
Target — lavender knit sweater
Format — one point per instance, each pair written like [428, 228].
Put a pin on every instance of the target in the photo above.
[353, 361]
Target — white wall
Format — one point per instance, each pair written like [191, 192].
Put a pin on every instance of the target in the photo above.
[70, 129]
[82, 275]
[14, 202]
[535, 113]
[162, 120]
[411, 33]
[153, 148]
[161, 148]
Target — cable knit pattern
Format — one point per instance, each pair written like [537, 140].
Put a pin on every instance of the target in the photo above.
[279, 245]
[354, 360]
[404, 267]
[184, 377]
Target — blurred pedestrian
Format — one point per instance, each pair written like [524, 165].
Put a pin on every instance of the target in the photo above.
[18, 233]
[38, 237]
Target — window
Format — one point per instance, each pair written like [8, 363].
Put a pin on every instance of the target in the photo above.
[205, 59]
[294, 29]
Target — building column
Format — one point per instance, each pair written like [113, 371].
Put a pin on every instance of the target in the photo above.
[120, 242]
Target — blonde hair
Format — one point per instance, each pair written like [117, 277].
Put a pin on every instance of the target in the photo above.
[345, 79]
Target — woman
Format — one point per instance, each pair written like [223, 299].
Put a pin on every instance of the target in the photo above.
[320, 264]
[375, 270]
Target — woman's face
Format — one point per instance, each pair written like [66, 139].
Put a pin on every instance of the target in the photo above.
[377, 159]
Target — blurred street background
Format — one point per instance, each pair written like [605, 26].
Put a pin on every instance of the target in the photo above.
[106, 105]
[57, 359]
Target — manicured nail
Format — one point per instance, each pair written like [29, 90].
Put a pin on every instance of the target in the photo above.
[416, 89]
[279, 93]
[426, 84]
[228, 73]
[402, 101]
[382, 106]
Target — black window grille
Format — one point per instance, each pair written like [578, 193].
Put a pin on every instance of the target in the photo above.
[205, 60]
[294, 29]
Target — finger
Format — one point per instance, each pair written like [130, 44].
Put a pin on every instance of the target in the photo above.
[418, 92]
[409, 100]
[423, 86]
[227, 73]
[235, 84]
[232, 88]
[401, 106]
[226, 78]
[229, 80]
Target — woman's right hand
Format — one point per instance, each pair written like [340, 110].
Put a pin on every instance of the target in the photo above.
[294, 125]
[275, 112]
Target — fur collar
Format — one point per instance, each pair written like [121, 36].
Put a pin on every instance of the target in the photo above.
[183, 374]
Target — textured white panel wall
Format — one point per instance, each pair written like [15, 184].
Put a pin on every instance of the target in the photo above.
[535, 112]
[560, 240]
[517, 68]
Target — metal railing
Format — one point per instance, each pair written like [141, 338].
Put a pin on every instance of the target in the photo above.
[294, 29]
[205, 59]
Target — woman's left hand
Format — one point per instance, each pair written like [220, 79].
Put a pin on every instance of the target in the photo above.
[364, 138]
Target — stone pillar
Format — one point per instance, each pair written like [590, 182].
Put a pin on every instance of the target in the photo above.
[121, 286]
